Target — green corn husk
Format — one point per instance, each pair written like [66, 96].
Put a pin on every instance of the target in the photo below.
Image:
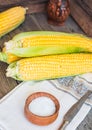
[70, 44]
[3, 57]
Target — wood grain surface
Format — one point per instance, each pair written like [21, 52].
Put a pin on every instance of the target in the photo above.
[86, 6]
[34, 6]
[88, 3]
[37, 22]
[81, 17]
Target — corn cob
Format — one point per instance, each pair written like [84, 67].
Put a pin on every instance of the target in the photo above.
[7, 57]
[39, 43]
[11, 18]
[50, 67]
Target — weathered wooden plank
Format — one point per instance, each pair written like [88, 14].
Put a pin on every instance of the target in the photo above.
[6, 84]
[69, 26]
[41, 21]
[88, 3]
[36, 8]
[81, 17]
[32, 5]
[85, 6]
[8, 3]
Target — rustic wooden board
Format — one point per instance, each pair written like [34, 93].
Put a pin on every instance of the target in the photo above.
[6, 84]
[34, 6]
[88, 3]
[86, 6]
[69, 26]
[10, 2]
[7, 3]
[81, 17]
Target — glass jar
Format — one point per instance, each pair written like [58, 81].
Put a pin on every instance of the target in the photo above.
[58, 11]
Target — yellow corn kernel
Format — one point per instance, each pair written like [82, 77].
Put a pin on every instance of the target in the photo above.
[11, 58]
[50, 40]
[11, 18]
[49, 67]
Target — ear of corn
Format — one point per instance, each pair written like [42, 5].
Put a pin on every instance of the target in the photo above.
[11, 18]
[39, 43]
[50, 67]
[7, 57]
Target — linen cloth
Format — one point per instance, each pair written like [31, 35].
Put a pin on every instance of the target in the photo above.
[12, 107]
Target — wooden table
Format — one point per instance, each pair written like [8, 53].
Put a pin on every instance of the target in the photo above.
[37, 22]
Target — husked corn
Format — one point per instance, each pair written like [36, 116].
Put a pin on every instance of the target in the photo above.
[11, 18]
[49, 67]
[38, 43]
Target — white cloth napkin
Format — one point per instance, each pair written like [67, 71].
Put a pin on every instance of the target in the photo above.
[12, 107]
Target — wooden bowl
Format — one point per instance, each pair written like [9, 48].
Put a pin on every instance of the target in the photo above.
[41, 120]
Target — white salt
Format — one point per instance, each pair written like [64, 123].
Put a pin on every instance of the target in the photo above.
[42, 106]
